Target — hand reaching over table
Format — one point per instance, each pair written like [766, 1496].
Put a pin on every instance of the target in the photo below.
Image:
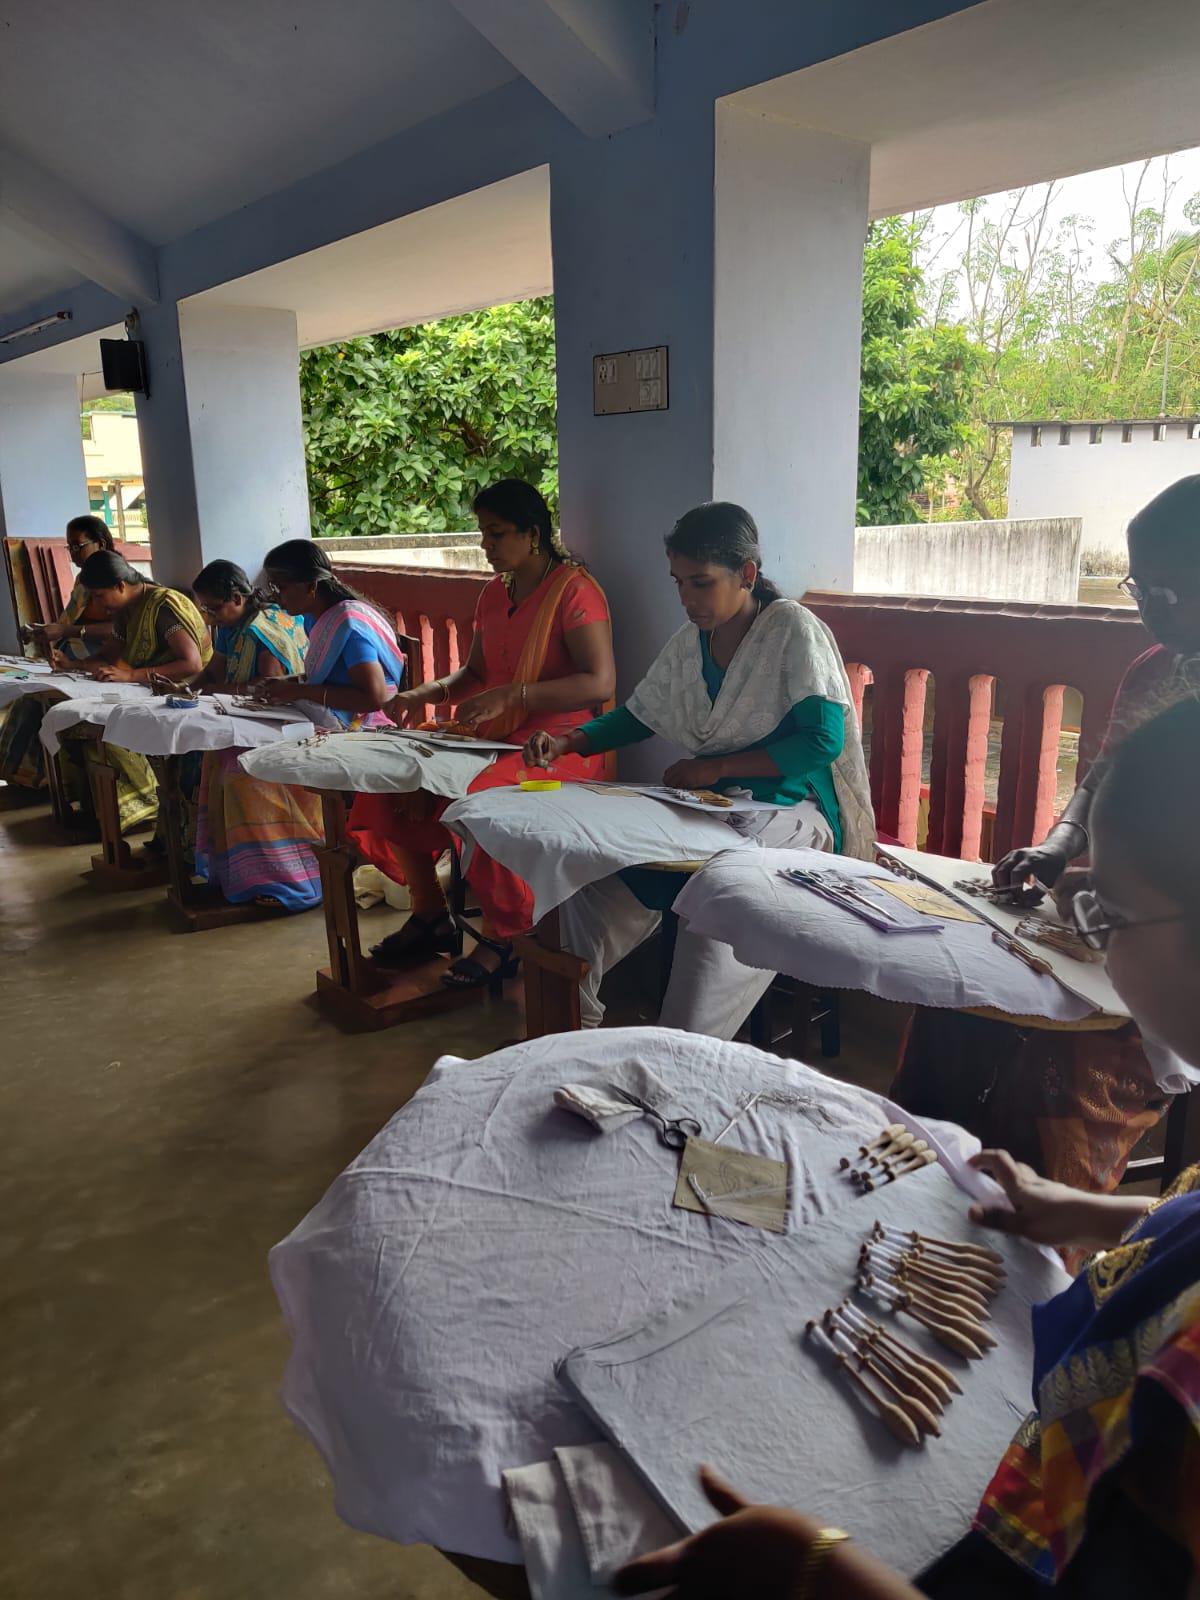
[764, 1550]
[1052, 1213]
[279, 691]
[543, 749]
[696, 773]
[491, 703]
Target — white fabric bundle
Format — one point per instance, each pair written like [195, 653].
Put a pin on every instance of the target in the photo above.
[788, 656]
[580, 1517]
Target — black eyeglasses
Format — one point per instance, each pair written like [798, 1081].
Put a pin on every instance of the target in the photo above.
[1149, 592]
[1095, 923]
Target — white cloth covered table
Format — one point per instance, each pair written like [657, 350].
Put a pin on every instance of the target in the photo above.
[726, 1376]
[367, 763]
[65, 686]
[741, 900]
[153, 728]
[484, 1234]
[95, 708]
[560, 840]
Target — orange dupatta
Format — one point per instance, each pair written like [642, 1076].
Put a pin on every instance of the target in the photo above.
[533, 653]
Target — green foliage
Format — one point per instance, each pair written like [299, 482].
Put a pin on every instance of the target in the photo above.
[402, 429]
[1059, 341]
[917, 381]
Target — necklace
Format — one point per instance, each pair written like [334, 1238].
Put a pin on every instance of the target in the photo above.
[510, 579]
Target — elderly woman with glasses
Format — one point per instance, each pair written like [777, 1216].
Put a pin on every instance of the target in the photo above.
[1074, 1104]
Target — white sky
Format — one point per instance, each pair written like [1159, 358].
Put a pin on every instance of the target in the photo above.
[1099, 196]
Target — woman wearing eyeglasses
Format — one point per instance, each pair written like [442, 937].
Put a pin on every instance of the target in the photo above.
[1074, 1104]
[1098, 1496]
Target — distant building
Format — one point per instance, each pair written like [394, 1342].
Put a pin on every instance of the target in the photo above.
[112, 455]
[1101, 472]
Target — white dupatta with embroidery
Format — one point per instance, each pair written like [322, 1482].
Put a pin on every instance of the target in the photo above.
[787, 656]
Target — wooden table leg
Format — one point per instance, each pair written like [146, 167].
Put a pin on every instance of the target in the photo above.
[60, 800]
[552, 979]
[114, 868]
[359, 995]
[336, 860]
[170, 805]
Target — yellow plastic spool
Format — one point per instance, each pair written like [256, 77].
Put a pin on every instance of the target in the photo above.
[541, 783]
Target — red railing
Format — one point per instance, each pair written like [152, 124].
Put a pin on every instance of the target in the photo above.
[435, 608]
[987, 658]
[981, 654]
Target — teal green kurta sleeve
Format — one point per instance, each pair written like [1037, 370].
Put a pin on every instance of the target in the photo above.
[613, 731]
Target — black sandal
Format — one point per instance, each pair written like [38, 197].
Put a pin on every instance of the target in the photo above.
[467, 973]
[418, 940]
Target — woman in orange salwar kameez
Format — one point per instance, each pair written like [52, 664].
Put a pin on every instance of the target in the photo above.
[541, 657]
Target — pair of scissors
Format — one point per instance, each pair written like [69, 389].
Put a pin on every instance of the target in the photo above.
[674, 1132]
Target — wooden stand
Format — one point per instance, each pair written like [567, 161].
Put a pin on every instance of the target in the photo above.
[359, 996]
[195, 907]
[114, 870]
[552, 979]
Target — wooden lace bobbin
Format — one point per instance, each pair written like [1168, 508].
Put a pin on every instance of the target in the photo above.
[893, 1152]
[960, 1246]
[952, 1318]
[936, 1300]
[959, 1300]
[913, 1407]
[892, 1131]
[898, 1422]
[932, 1371]
[952, 1337]
[984, 1268]
[948, 1283]
[906, 1376]
[922, 1368]
[913, 1161]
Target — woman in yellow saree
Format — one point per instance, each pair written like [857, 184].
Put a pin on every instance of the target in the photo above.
[157, 635]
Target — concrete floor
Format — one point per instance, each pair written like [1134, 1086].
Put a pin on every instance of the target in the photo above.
[171, 1107]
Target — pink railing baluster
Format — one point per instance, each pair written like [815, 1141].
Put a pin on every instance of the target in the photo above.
[1046, 788]
[981, 692]
[912, 749]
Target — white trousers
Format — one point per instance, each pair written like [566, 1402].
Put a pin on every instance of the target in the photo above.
[710, 991]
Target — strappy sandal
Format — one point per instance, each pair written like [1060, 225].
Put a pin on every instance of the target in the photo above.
[420, 939]
[467, 973]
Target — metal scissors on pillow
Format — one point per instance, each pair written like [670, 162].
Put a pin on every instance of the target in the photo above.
[674, 1132]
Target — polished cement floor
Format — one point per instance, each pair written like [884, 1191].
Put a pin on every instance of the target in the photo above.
[171, 1107]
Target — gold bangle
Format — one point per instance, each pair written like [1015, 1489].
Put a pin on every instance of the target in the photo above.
[824, 1544]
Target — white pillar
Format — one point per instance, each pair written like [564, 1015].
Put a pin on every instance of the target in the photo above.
[791, 220]
[735, 240]
[222, 442]
[632, 229]
[43, 481]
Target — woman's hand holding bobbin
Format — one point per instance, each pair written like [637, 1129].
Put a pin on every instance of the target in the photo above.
[543, 749]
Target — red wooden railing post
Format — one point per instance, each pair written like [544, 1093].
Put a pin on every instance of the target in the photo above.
[912, 751]
[1046, 788]
[981, 692]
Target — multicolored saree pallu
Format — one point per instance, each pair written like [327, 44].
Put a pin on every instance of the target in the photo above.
[1117, 1389]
